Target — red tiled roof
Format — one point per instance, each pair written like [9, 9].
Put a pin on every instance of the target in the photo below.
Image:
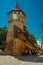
[16, 7]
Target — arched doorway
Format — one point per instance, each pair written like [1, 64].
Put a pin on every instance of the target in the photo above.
[26, 52]
[33, 52]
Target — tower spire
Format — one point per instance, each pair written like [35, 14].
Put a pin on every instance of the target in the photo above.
[16, 7]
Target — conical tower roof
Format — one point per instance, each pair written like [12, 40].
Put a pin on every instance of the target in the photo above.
[16, 7]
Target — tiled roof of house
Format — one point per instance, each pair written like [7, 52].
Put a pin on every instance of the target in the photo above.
[25, 35]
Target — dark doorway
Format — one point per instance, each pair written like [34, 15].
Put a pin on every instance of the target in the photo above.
[26, 52]
[34, 52]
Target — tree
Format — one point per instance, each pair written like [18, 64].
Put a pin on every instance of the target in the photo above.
[39, 47]
[3, 33]
[29, 36]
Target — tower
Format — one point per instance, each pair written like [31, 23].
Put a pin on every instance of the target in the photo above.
[42, 38]
[15, 18]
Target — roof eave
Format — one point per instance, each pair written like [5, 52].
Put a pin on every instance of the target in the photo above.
[16, 10]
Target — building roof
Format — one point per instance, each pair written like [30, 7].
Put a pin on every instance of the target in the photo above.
[16, 7]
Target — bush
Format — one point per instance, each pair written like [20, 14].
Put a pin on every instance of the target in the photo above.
[3, 33]
[1, 51]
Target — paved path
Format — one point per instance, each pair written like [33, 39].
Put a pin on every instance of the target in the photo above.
[29, 60]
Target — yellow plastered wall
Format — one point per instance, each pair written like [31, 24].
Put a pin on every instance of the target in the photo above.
[42, 47]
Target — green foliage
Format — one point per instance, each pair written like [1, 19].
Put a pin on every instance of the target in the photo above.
[30, 36]
[39, 47]
[3, 32]
[0, 51]
[24, 28]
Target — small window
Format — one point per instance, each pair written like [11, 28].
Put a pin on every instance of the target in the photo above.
[18, 12]
[14, 12]
[16, 32]
[24, 40]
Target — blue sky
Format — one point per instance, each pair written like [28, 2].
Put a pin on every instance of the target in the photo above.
[33, 10]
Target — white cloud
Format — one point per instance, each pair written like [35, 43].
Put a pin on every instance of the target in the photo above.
[39, 43]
